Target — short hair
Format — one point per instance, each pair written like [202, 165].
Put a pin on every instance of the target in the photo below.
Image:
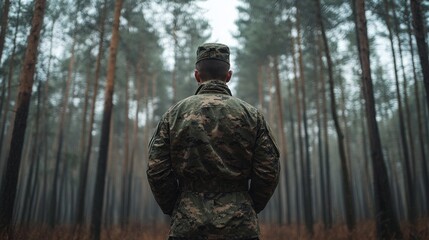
[212, 69]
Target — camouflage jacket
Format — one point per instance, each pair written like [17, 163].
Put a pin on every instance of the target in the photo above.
[202, 155]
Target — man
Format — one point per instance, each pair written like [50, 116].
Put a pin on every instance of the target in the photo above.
[203, 153]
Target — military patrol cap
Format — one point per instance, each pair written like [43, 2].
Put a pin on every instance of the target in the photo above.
[215, 51]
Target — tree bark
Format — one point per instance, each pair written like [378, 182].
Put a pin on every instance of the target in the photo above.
[125, 168]
[410, 202]
[387, 224]
[300, 101]
[319, 81]
[105, 128]
[34, 163]
[60, 138]
[4, 21]
[3, 30]
[81, 193]
[419, 112]
[347, 191]
[9, 83]
[283, 142]
[299, 185]
[8, 187]
[422, 46]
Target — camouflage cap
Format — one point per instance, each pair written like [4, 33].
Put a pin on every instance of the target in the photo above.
[215, 51]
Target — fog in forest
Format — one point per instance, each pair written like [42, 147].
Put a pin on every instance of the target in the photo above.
[344, 86]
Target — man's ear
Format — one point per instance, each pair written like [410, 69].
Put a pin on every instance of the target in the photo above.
[197, 76]
[228, 76]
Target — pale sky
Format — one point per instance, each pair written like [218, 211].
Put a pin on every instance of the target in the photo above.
[221, 15]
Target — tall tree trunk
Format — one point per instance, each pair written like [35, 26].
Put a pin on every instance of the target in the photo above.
[283, 143]
[32, 175]
[347, 191]
[46, 126]
[405, 89]
[294, 157]
[327, 168]
[8, 187]
[125, 169]
[81, 193]
[9, 84]
[60, 138]
[387, 224]
[105, 128]
[82, 140]
[64, 178]
[3, 30]
[319, 65]
[409, 189]
[299, 194]
[111, 175]
[306, 170]
[422, 46]
[419, 113]
[146, 138]
[4, 20]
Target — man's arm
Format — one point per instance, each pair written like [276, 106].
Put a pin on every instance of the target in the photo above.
[265, 170]
[161, 177]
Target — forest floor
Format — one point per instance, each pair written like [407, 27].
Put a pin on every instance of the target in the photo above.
[364, 230]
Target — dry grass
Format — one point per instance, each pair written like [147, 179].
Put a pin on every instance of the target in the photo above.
[364, 230]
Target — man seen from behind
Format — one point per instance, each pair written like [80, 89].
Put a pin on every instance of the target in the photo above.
[213, 162]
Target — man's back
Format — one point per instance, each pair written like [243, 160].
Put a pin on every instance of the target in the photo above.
[212, 136]
[204, 152]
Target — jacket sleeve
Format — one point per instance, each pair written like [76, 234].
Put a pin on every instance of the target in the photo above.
[265, 169]
[161, 177]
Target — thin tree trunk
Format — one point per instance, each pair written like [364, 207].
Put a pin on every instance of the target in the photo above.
[125, 169]
[9, 83]
[111, 175]
[283, 143]
[299, 194]
[322, 176]
[422, 46]
[3, 30]
[60, 138]
[146, 138]
[46, 126]
[82, 140]
[409, 189]
[305, 157]
[4, 21]
[387, 224]
[32, 175]
[419, 114]
[81, 193]
[105, 129]
[64, 178]
[327, 158]
[347, 191]
[8, 187]
[405, 89]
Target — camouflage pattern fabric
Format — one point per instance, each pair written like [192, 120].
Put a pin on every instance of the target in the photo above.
[216, 51]
[202, 155]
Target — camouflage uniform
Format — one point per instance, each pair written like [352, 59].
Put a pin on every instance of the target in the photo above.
[202, 155]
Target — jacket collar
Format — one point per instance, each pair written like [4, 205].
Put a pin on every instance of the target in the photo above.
[213, 86]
